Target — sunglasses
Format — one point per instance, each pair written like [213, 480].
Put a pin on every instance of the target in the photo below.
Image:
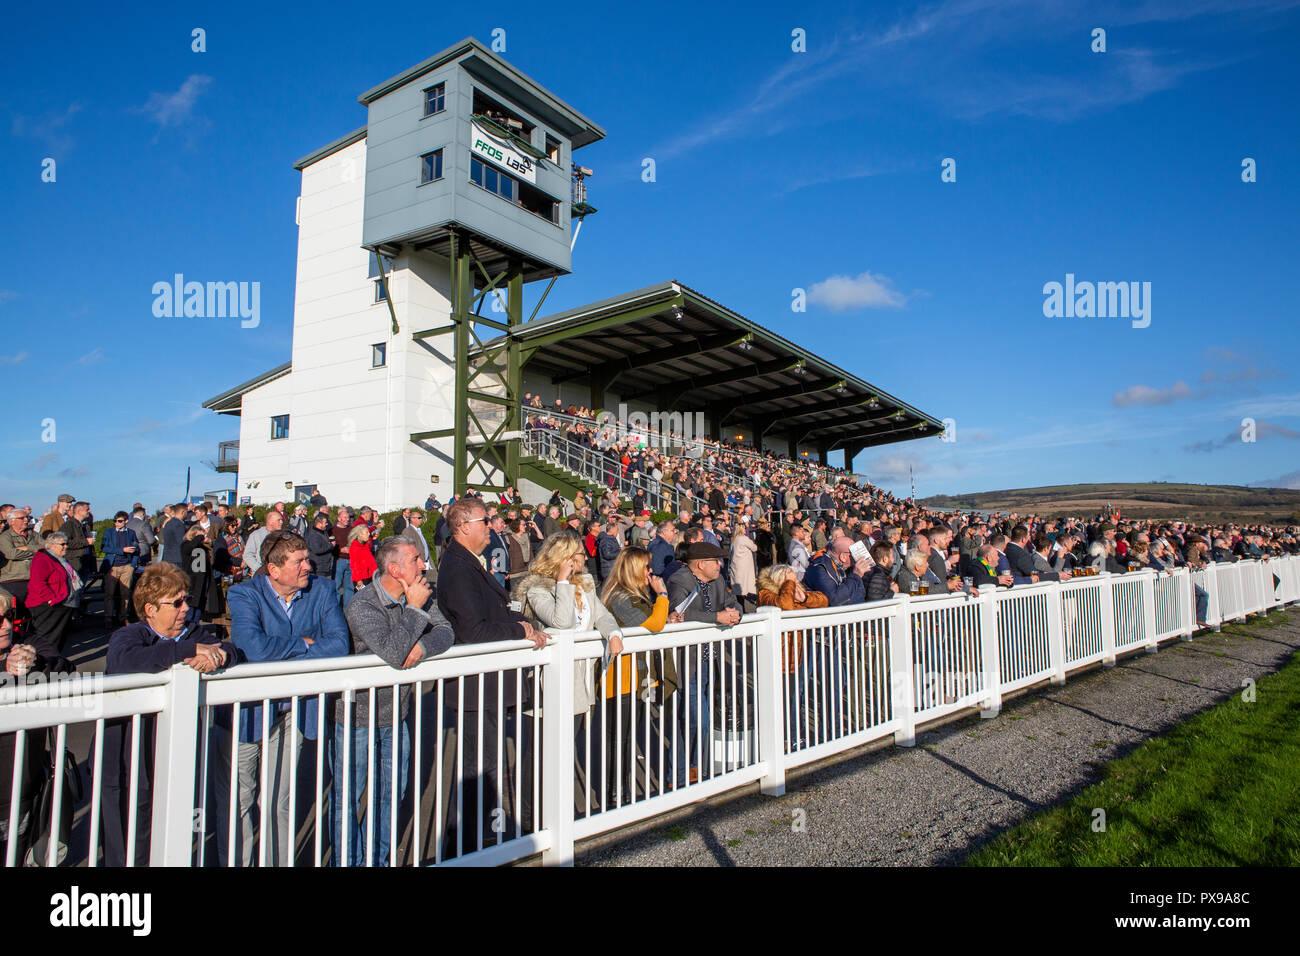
[178, 603]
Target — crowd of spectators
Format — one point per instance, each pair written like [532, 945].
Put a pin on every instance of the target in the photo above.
[202, 586]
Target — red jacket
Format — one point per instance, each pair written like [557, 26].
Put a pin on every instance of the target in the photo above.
[363, 562]
[49, 582]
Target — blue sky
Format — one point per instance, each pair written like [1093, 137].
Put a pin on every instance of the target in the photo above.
[775, 170]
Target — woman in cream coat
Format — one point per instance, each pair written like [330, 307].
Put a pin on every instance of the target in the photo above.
[558, 594]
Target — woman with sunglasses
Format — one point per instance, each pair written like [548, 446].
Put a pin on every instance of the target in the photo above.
[157, 642]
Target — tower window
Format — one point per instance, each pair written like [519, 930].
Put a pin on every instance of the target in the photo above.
[435, 99]
[431, 167]
[507, 187]
[379, 355]
[279, 427]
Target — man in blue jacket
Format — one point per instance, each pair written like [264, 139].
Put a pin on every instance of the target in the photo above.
[283, 612]
[661, 548]
[835, 574]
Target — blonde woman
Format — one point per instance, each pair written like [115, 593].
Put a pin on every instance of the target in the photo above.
[638, 598]
[557, 593]
[360, 557]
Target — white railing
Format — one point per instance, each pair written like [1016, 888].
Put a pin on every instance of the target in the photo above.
[500, 768]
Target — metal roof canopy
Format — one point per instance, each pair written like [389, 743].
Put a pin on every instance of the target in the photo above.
[634, 345]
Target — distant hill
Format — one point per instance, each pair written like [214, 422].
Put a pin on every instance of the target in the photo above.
[1140, 500]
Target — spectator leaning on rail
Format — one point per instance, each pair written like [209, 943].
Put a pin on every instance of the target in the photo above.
[398, 619]
[698, 593]
[282, 613]
[779, 587]
[638, 598]
[916, 574]
[23, 661]
[479, 612]
[878, 584]
[558, 594]
[158, 642]
[835, 574]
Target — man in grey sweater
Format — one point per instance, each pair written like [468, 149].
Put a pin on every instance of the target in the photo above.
[398, 619]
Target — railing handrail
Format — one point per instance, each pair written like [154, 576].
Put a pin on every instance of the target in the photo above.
[1018, 637]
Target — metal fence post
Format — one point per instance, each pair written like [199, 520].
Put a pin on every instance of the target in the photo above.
[1240, 587]
[900, 673]
[557, 751]
[1056, 632]
[990, 655]
[1147, 588]
[1212, 608]
[175, 759]
[1107, 620]
[771, 704]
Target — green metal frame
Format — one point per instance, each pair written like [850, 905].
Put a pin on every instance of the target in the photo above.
[480, 454]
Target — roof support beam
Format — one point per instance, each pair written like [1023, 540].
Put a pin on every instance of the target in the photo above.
[727, 376]
[707, 344]
[533, 343]
[803, 388]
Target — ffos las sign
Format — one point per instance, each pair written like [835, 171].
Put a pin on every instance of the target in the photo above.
[498, 151]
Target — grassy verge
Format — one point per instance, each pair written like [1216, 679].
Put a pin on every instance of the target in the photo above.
[1222, 789]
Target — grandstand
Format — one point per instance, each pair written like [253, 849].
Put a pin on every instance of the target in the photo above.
[458, 191]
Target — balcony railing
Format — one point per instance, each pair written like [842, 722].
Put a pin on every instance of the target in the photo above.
[228, 456]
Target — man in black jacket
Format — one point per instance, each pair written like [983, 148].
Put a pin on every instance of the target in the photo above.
[878, 583]
[480, 612]
[1021, 561]
[320, 546]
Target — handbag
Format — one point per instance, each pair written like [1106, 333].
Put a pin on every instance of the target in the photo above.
[39, 830]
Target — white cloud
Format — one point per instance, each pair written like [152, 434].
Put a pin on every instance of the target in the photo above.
[1290, 480]
[174, 109]
[41, 462]
[1146, 395]
[894, 468]
[866, 291]
[92, 357]
[13, 359]
[7, 295]
[50, 129]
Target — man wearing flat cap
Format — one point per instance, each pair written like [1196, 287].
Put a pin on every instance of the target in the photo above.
[699, 593]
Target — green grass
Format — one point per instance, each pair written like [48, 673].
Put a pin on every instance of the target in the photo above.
[1222, 789]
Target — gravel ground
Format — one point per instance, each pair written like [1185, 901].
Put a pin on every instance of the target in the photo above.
[966, 781]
